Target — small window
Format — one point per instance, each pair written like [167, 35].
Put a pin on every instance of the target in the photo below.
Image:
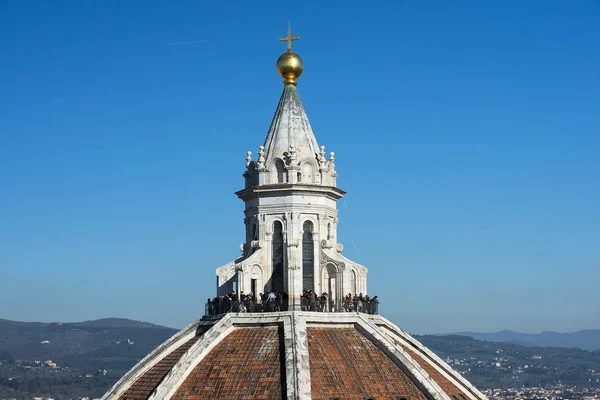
[280, 170]
[401, 398]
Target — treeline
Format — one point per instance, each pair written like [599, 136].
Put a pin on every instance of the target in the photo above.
[52, 383]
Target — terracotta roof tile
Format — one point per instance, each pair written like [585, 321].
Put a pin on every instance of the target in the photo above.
[145, 384]
[446, 385]
[247, 364]
[428, 364]
[345, 364]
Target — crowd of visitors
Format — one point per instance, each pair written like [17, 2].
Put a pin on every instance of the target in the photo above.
[360, 303]
[272, 301]
[311, 301]
[248, 302]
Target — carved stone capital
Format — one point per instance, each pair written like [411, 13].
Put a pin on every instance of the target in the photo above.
[325, 244]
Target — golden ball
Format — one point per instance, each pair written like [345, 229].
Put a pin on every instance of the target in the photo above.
[289, 65]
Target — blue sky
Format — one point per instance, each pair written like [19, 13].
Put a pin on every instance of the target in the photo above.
[467, 135]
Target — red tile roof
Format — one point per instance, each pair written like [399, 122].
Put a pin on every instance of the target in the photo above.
[345, 364]
[145, 384]
[247, 364]
[446, 385]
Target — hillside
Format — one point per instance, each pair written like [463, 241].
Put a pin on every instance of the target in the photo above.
[116, 323]
[90, 355]
[505, 365]
[586, 339]
[80, 344]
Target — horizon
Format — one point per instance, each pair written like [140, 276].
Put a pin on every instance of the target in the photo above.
[467, 139]
[182, 327]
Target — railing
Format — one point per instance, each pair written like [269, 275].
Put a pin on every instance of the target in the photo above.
[321, 305]
[253, 306]
[221, 307]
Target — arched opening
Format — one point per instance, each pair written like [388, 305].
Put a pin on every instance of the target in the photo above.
[256, 281]
[307, 173]
[280, 169]
[328, 279]
[353, 283]
[277, 259]
[308, 257]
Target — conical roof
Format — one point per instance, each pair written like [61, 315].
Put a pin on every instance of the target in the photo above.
[290, 127]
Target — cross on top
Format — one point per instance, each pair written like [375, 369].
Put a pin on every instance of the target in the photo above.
[289, 39]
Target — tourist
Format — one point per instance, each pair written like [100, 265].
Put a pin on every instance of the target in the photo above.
[322, 302]
[271, 299]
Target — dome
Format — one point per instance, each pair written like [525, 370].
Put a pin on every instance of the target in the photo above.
[293, 355]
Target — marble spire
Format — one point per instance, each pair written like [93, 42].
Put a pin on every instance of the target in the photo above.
[290, 130]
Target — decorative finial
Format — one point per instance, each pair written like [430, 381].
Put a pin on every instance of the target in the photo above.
[322, 159]
[332, 161]
[261, 156]
[289, 64]
[248, 158]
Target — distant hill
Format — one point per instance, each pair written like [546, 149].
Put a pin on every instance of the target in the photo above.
[587, 339]
[80, 343]
[90, 355]
[117, 323]
[504, 365]
[98, 323]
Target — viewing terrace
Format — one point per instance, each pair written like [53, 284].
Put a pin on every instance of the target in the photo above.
[279, 302]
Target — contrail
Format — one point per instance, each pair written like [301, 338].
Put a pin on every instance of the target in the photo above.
[355, 248]
[192, 42]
